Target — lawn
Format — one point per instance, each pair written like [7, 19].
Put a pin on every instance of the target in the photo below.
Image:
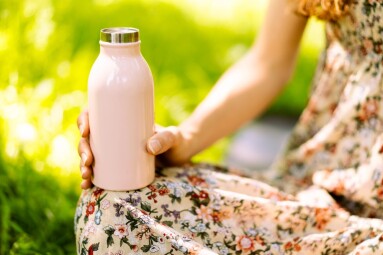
[46, 51]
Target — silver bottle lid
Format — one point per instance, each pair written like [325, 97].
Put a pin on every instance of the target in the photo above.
[119, 35]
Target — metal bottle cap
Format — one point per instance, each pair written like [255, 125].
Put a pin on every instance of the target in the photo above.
[119, 35]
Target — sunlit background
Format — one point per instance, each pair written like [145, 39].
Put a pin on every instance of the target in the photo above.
[46, 50]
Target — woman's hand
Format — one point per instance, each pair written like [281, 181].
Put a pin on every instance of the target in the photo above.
[168, 144]
[84, 150]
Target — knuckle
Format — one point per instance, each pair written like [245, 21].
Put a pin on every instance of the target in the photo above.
[171, 138]
[166, 139]
[83, 145]
[82, 141]
[79, 148]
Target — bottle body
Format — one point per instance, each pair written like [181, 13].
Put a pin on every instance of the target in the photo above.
[121, 117]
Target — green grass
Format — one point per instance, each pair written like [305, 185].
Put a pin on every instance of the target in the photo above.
[47, 49]
[36, 213]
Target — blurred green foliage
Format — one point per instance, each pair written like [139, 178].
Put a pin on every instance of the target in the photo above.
[46, 50]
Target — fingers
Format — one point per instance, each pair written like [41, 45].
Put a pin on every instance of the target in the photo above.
[83, 123]
[163, 140]
[86, 163]
[86, 184]
[85, 152]
[86, 175]
[86, 172]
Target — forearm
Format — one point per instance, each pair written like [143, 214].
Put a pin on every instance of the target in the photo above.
[242, 93]
[247, 88]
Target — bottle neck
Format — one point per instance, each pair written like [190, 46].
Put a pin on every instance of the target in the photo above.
[122, 49]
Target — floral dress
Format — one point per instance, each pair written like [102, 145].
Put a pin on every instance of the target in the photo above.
[323, 196]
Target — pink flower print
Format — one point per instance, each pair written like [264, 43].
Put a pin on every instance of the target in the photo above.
[121, 230]
[244, 244]
[105, 204]
[90, 228]
[204, 213]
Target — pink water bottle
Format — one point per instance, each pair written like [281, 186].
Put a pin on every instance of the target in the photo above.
[121, 114]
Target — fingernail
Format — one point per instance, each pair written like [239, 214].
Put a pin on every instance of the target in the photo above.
[154, 146]
[82, 129]
[84, 157]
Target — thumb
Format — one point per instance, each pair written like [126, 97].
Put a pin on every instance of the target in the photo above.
[163, 140]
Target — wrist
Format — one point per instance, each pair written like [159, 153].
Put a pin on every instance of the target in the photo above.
[185, 148]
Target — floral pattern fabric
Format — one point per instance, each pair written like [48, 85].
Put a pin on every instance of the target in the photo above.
[199, 210]
[323, 196]
[337, 142]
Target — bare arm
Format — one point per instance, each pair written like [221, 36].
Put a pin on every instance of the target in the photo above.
[249, 86]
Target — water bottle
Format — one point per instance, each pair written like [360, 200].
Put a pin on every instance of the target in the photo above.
[121, 112]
